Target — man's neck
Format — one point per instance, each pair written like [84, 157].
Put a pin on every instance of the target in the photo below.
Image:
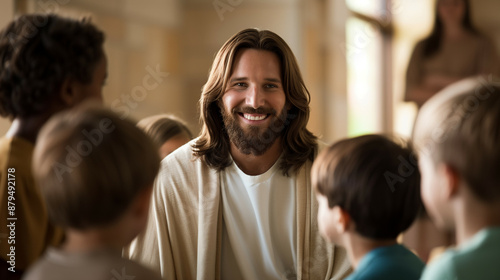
[256, 165]
[358, 246]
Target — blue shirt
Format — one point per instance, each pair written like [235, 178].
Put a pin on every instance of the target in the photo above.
[477, 259]
[388, 263]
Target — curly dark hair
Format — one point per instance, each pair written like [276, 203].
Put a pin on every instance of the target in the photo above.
[38, 52]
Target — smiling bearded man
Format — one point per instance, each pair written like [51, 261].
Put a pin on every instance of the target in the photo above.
[236, 202]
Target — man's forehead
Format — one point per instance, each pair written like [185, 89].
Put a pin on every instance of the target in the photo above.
[236, 78]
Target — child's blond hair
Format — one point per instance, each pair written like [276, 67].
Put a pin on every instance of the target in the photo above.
[461, 128]
[90, 165]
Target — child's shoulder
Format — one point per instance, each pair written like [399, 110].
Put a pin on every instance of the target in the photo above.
[389, 262]
[104, 265]
[128, 269]
[476, 259]
[441, 268]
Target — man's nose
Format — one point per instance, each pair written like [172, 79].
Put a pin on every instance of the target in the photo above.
[255, 97]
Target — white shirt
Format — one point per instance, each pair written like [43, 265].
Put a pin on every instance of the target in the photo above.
[259, 235]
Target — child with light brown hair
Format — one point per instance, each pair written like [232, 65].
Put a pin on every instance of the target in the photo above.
[95, 173]
[457, 134]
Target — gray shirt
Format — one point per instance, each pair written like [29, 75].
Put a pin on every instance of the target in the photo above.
[96, 265]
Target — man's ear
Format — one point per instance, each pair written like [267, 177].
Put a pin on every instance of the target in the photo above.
[342, 219]
[452, 180]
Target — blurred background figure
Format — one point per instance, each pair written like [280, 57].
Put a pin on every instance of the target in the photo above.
[167, 131]
[454, 50]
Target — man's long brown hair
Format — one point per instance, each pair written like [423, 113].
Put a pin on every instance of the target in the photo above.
[298, 143]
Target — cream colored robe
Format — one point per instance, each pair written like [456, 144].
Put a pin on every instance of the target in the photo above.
[183, 236]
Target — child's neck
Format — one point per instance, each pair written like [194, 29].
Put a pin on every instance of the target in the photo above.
[27, 128]
[358, 246]
[92, 240]
[472, 216]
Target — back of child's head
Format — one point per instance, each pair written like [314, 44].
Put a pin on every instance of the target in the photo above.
[37, 54]
[163, 127]
[460, 127]
[374, 180]
[90, 165]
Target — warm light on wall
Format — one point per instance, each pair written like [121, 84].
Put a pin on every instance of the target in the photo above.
[363, 78]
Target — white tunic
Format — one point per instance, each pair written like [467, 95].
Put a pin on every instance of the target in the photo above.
[259, 234]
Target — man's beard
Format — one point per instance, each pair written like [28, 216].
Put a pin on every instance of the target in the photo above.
[255, 140]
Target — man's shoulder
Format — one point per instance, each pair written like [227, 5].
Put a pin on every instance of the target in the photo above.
[182, 166]
[321, 145]
[184, 152]
[183, 159]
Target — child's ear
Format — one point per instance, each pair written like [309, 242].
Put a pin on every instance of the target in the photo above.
[342, 219]
[67, 92]
[70, 92]
[142, 202]
[452, 181]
